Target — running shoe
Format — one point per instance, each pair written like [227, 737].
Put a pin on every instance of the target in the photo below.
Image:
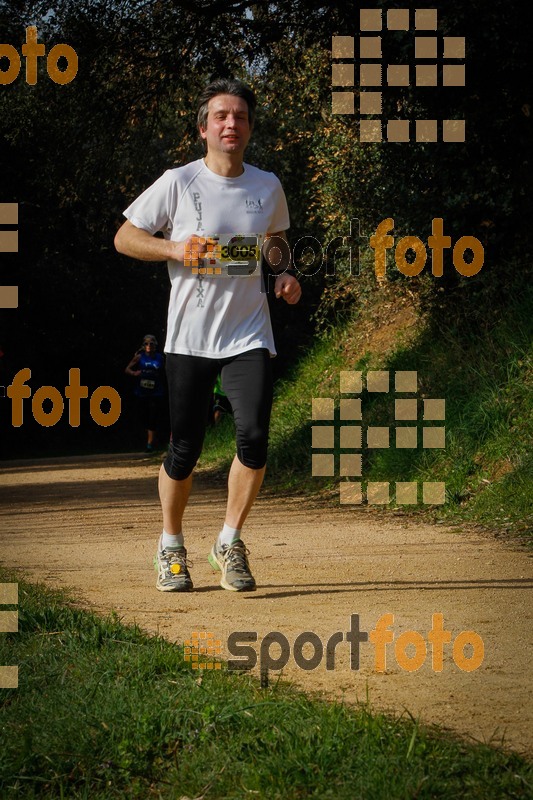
[172, 570]
[232, 561]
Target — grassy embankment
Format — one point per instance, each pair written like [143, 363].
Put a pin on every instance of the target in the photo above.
[485, 375]
[103, 711]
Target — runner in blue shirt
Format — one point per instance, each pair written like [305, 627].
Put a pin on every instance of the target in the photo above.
[148, 367]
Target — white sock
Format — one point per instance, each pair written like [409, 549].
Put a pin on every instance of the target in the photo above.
[228, 535]
[170, 540]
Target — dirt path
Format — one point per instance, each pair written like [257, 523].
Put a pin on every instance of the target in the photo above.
[92, 524]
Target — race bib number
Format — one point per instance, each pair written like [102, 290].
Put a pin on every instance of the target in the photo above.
[230, 255]
[146, 383]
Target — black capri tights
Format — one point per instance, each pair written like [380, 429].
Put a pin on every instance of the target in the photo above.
[247, 382]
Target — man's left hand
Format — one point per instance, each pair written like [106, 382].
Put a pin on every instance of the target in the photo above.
[288, 287]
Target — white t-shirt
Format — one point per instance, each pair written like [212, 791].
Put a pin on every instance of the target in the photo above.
[210, 315]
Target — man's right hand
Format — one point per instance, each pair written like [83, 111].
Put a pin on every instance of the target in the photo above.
[196, 247]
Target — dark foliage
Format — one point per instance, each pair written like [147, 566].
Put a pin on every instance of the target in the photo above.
[74, 156]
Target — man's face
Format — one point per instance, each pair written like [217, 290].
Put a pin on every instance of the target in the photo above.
[228, 129]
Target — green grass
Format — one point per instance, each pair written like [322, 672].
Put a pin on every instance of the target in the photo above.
[487, 381]
[103, 711]
[485, 374]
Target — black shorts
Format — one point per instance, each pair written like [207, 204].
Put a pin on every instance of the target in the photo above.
[247, 382]
[151, 412]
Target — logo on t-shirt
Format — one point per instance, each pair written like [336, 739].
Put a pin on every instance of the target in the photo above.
[255, 206]
[198, 208]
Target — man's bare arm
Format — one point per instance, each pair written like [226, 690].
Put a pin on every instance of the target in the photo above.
[138, 243]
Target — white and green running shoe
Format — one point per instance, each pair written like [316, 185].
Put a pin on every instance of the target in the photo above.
[172, 570]
[232, 561]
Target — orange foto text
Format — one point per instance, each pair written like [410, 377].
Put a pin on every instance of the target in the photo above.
[31, 51]
[381, 241]
[19, 391]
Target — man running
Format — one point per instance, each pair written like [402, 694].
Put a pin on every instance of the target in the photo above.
[216, 322]
[147, 366]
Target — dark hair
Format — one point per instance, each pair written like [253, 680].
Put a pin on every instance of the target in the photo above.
[225, 86]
